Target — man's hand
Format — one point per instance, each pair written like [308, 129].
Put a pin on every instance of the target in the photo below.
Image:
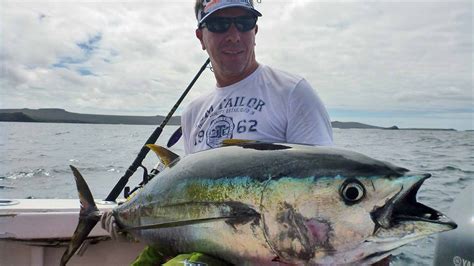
[108, 223]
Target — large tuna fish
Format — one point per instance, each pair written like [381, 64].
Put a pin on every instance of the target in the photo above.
[254, 203]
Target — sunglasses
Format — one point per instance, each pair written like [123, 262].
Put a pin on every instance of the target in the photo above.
[222, 24]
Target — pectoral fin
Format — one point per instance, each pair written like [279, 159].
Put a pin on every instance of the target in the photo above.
[174, 215]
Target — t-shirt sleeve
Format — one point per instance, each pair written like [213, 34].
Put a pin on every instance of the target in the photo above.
[185, 128]
[308, 120]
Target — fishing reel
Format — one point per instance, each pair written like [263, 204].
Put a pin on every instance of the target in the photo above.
[146, 178]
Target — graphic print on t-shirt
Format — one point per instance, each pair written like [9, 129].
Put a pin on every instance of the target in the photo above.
[223, 120]
[220, 129]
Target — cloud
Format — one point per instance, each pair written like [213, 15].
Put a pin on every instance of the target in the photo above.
[136, 57]
[355, 52]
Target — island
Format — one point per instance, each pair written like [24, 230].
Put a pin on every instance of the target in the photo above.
[57, 115]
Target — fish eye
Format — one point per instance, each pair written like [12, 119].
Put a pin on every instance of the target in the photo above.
[352, 191]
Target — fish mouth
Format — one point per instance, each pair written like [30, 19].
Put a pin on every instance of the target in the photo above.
[403, 207]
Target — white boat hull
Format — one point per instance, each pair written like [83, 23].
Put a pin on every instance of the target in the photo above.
[36, 232]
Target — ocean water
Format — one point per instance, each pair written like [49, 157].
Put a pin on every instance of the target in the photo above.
[35, 159]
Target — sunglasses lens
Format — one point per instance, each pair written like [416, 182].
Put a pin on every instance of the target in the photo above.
[218, 25]
[222, 24]
[244, 24]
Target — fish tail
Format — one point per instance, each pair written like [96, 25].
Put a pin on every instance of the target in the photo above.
[89, 215]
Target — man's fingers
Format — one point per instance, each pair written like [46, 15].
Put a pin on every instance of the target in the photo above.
[108, 223]
[115, 231]
[110, 220]
[105, 221]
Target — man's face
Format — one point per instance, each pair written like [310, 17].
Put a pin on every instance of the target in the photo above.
[232, 52]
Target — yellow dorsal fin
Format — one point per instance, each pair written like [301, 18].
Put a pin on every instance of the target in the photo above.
[237, 142]
[166, 156]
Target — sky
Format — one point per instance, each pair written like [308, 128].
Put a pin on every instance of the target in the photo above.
[404, 63]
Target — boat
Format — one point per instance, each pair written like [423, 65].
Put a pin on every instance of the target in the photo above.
[37, 231]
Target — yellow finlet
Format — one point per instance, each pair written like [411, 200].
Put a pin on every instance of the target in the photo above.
[166, 156]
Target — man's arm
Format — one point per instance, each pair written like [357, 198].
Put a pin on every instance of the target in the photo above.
[308, 120]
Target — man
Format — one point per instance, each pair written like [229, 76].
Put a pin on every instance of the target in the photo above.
[251, 101]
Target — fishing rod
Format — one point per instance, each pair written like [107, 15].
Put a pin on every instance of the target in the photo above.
[151, 140]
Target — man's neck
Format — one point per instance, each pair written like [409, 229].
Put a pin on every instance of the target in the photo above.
[224, 80]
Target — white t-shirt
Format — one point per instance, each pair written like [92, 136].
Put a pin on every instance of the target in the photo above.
[269, 105]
